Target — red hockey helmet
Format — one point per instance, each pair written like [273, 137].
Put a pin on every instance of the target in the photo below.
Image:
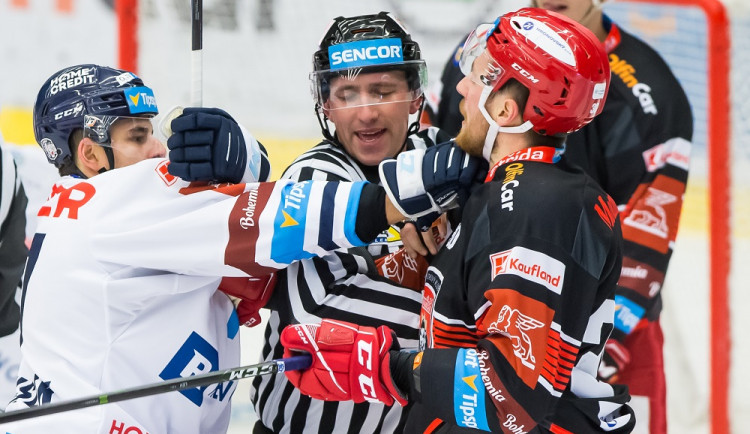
[561, 62]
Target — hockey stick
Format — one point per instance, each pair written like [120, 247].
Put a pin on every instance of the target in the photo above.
[196, 55]
[279, 365]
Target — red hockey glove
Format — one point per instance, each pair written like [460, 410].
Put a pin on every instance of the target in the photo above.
[350, 362]
[249, 295]
[614, 360]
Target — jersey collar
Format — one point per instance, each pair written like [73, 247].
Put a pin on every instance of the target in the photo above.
[613, 34]
[541, 154]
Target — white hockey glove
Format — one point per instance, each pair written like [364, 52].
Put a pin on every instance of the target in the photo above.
[420, 182]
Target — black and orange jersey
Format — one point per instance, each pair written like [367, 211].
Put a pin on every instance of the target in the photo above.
[638, 150]
[517, 307]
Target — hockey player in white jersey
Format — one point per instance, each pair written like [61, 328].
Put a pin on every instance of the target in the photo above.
[120, 288]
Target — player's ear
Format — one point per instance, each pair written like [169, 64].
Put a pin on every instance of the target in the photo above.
[504, 110]
[415, 104]
[91, 156]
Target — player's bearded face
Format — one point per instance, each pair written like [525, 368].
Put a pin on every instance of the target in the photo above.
[474, 127]
[473, 131]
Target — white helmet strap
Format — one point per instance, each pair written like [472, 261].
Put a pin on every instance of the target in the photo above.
[489, 139]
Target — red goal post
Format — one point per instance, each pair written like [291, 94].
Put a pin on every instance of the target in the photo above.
[719, 179]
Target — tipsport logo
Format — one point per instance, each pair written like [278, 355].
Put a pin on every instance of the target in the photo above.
[468, 399]
[140, 100]
[365, 53]
[197, 357]
[627, 314]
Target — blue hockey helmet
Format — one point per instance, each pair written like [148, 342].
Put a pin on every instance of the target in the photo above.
[91, 91]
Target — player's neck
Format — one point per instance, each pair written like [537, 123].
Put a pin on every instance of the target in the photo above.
[508, 143]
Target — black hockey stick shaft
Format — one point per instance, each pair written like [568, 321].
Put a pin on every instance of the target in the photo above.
[279, 365]
[196, 14]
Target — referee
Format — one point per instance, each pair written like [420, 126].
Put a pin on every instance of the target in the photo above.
[368, 80]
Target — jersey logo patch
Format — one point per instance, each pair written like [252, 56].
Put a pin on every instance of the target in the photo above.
[607, 210]
[653, 216]
[195, 357]
[509, 411]
[674, 151]
[161, 170]
[518, 326]
[640, 277]
[432, 284]
[33, 392]
[514, 324]
[530, 265]
[468, 399]
[627, 314]
[288, 220]
[70, 199]
[626, 73]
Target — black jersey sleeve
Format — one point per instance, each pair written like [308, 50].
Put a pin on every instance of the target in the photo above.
[639, 150]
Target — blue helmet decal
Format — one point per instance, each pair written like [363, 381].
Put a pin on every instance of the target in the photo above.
[366, 53]
[140, 100]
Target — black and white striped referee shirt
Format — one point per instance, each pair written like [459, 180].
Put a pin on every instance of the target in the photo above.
[343, 285]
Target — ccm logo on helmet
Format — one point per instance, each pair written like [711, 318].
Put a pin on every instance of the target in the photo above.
[525, 73]
[363, 53]
[74, 111]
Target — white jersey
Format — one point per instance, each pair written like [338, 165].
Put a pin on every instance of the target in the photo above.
[120, 290]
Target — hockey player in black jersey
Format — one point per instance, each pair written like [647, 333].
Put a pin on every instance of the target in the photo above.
[368, 79]
[519, 302]
[638, 149]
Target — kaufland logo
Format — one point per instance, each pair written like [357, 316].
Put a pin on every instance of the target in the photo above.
[530, 265]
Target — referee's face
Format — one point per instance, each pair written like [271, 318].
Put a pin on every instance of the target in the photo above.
[370, 112]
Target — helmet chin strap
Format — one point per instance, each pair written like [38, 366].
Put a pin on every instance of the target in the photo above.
[110, 158]
[489, 139]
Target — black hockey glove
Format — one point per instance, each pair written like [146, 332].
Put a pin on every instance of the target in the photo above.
[429, 182]
[207, 145]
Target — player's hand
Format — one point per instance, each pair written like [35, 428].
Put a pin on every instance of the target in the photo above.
[615, 358]
[249, 295]
[421, 242]
[429, 181]
[350, 362]
[207, 145]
